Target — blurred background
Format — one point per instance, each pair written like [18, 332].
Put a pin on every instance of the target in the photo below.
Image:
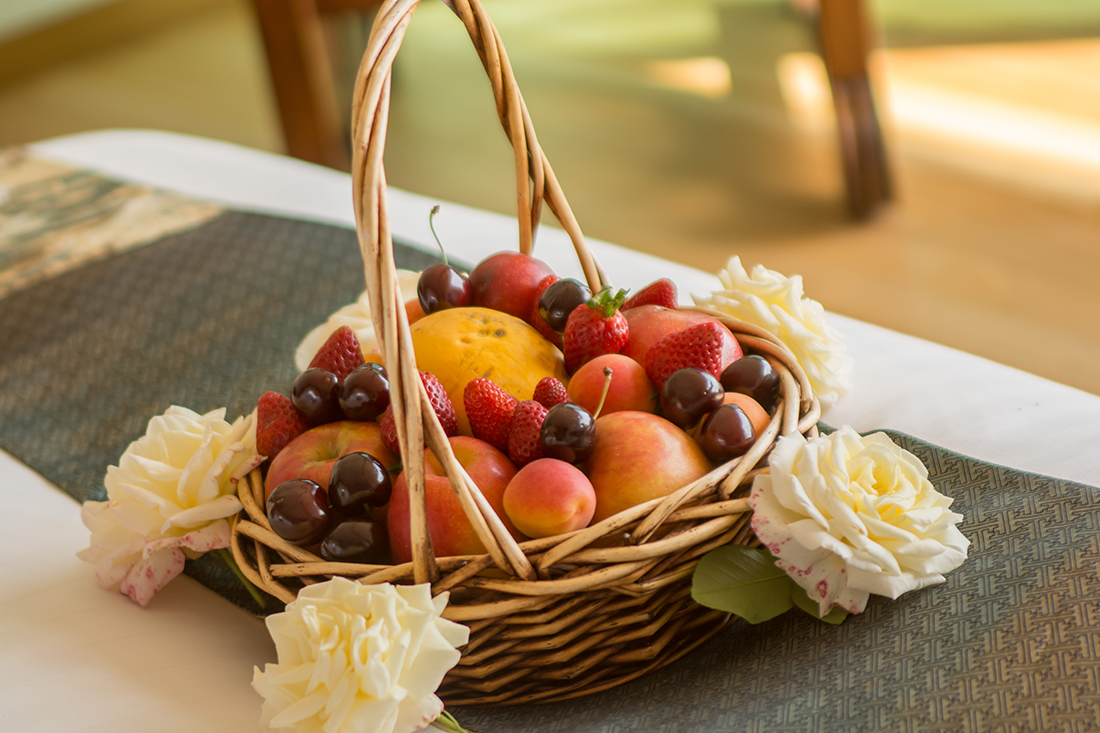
[691, 129]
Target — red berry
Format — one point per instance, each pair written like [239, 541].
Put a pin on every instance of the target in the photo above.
[708, 346]
[389, 431]
[550, 392]
[660, 292]
[489, 410]
[523, 437]
[441, 403]
[595, 329]
[277, 423]
[340, 354]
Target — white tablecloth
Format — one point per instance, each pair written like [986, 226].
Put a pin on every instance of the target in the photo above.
[185, 662]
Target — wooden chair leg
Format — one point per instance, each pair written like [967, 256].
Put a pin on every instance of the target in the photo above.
[844, 37]
[302, 80]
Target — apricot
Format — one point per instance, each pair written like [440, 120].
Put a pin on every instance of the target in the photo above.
[630, 389]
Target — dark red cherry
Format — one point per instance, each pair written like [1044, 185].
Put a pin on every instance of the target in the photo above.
[754, 376]
[316, 394]
[442, 286]
[365, 393]
[689, 394]
[560, 299]
[358, 481]
[568, 432]
[357, 540]
[298, 511]
[727, 433]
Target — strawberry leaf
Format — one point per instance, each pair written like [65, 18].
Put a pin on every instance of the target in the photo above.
[742, 581]
[607, 301]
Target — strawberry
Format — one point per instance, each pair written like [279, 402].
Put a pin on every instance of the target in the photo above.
[594, 329]
[389, 431]
[277, 423]
[523, 435]
[489, 410]
[708, 346]
[537, 320]
[659, 292]
[550, 392]
[340, 354]
[441, 403]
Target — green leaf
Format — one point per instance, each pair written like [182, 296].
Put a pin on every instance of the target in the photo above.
[801, 599]
[743, 581]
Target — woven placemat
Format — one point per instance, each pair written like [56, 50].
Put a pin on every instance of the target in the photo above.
[204, 319]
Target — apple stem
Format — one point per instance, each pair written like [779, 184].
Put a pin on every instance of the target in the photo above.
[606, 386]
[435, 210]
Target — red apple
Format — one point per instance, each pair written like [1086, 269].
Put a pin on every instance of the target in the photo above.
[448, 526]
[648, 324]
[548, 497]
[313, 453]
[508, 282]
[630, 388]
[638, 456]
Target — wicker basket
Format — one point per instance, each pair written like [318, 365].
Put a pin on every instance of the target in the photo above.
[553, 618]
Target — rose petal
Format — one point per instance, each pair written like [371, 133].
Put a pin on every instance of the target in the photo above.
[152, 573]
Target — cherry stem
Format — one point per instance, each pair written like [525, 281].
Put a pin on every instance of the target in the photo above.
[435, 210]
[606, 387]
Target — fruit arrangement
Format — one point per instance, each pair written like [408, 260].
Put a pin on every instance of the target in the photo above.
[560, 453]
[642, 400]
[599, 432]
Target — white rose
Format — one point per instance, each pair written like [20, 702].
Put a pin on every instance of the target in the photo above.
[356, 317]
[848, 516]
[168, 498]
[358, 657]
[776, 304]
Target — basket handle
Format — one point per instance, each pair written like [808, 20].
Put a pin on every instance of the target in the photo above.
[535, 183]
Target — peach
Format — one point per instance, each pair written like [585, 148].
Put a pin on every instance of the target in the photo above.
[548, 497]
[630, 388]
[638, 456]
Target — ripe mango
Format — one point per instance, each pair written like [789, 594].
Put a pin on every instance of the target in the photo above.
[461, 344]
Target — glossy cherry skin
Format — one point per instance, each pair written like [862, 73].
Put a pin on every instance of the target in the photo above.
[442, 286]
[568, 433]
[365, 393]
[316, 394]
[357, 540]
[560, 299]
[727, 433]
[358, 481]
[754, 376]
[298, 511]
[688, 394]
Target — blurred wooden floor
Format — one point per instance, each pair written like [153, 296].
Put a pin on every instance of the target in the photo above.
[697, 142]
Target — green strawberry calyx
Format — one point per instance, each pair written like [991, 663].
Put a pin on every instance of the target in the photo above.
[607, 302]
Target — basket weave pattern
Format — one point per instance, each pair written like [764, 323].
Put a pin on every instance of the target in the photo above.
[551, 618]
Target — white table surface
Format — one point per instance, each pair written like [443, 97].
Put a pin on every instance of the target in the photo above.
[185, 662]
